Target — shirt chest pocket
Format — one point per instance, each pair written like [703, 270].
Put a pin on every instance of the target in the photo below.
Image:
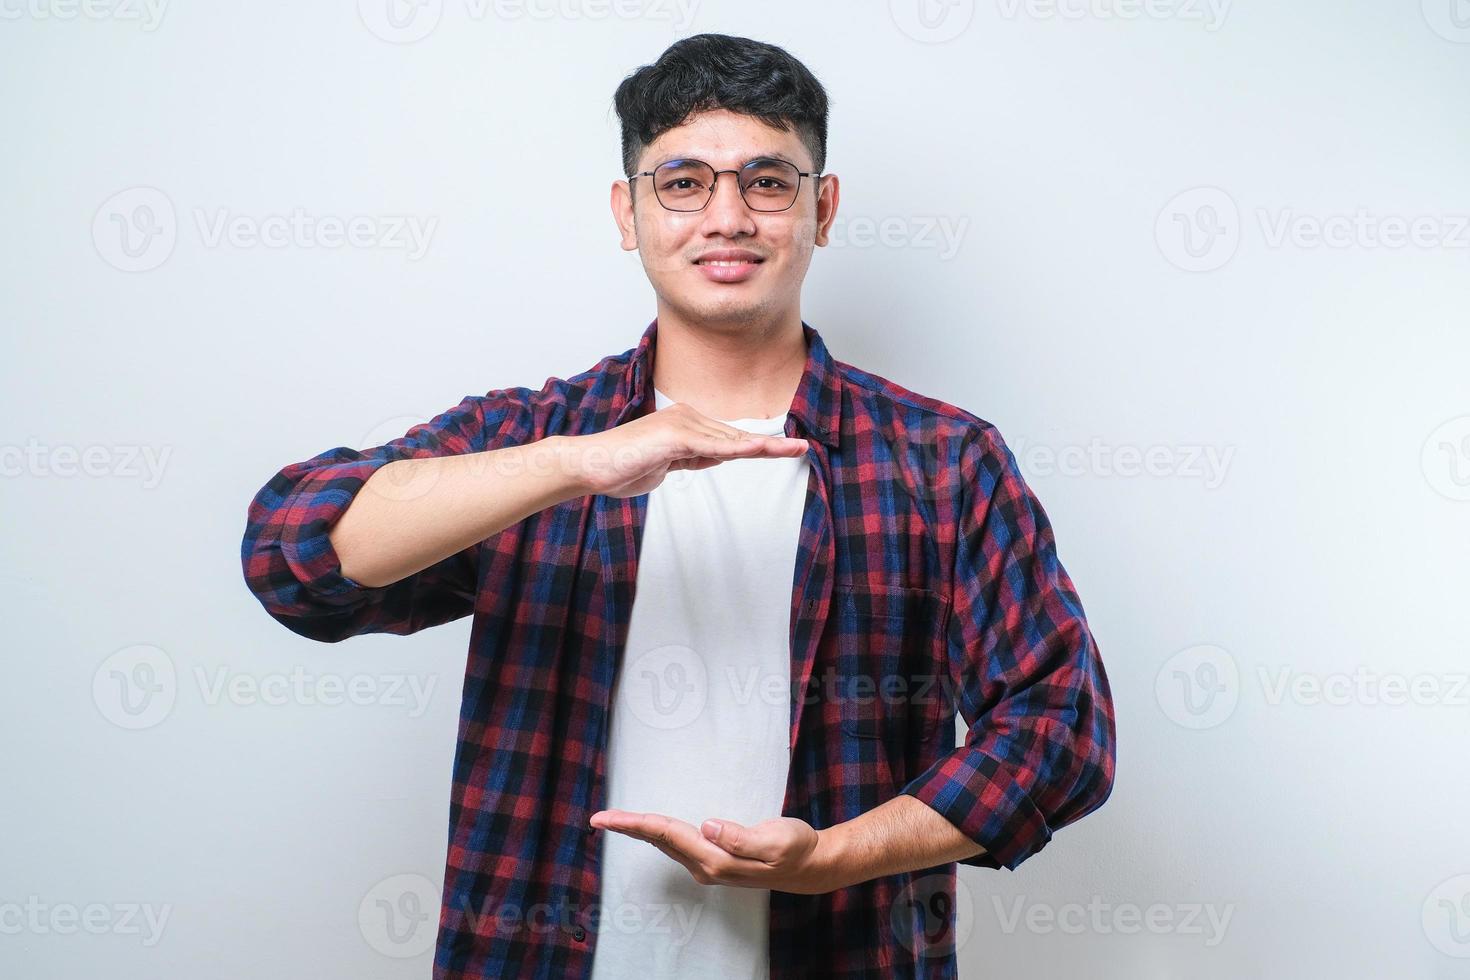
[892, 668]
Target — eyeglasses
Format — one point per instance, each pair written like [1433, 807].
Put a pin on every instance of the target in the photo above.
[688, 185]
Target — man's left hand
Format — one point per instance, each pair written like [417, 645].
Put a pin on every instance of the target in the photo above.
[782, 854]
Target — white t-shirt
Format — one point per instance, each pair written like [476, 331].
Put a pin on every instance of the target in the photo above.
[701, 711]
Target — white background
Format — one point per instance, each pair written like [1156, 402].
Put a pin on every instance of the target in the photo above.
[1131, 194]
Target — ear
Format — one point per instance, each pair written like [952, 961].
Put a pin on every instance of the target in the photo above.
[622, 209]
[827, 207]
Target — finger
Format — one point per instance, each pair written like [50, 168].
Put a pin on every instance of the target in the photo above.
[694, 463]
[756, 446]
[684, 843]
[752, 843]
[653, 828]
[719, 447]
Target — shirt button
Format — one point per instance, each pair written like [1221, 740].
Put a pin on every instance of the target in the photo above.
[579, 934]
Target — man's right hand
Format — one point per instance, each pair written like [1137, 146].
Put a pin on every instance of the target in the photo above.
[414, 512]
[634, 457]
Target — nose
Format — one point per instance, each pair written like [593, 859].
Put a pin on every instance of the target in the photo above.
[726, 213]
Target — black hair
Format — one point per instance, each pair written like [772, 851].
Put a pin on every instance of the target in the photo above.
[717, 71]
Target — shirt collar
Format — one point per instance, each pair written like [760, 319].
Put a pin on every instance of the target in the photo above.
[816, 407]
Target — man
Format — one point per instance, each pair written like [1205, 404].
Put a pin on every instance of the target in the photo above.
[728, 593]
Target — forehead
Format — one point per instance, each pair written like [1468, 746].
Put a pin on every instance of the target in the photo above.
[726, 139]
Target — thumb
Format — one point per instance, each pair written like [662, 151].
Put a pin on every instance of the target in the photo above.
[725, 833]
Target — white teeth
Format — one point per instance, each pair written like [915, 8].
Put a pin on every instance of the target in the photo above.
[741, 262]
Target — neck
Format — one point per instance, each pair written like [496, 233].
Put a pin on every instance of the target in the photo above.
[730, 372]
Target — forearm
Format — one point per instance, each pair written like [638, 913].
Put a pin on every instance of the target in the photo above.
[412, 513]
[903, 834]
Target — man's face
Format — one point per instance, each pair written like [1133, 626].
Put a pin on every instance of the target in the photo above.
[672, 244]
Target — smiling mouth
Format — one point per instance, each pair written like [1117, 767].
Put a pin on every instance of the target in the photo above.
[731, 262]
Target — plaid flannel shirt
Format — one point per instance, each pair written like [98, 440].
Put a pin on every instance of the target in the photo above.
[926, 581]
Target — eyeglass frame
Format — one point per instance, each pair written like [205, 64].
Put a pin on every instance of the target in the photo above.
[714, 185]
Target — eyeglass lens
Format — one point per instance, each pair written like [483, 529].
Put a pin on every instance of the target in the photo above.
[686, 185]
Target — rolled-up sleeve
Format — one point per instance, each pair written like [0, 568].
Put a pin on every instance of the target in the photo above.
[1027, 674]
[291, 567]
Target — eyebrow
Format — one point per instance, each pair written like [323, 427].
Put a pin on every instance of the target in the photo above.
[759, 156]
